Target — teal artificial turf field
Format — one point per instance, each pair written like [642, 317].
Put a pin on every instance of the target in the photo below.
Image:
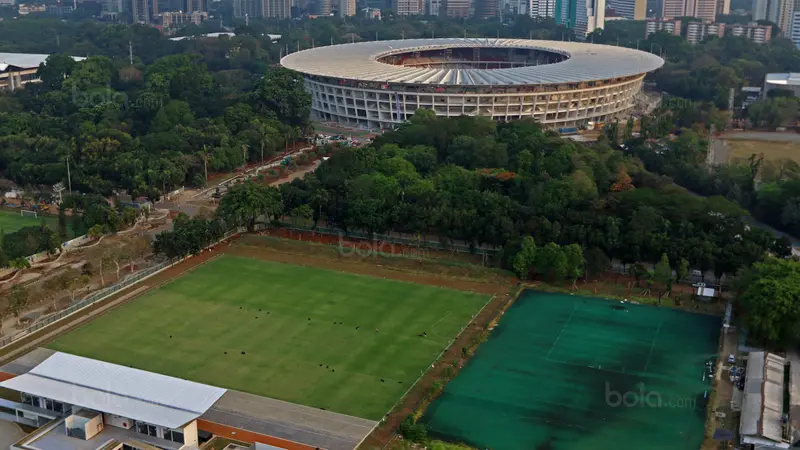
[308, 335]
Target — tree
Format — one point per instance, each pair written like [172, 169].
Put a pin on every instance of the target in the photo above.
[138, 248]
[551, 262]
[79, 282]
[245, 202]
[663, 275]
[639, 271]
[574, 258]
[107, 259]
[597, 261]
[62, 224]
[95, 231]
[769, 295]
[682, 271]
[282, 92]
[525, 258]
[18, 300]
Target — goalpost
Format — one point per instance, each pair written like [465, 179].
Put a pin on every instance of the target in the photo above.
[27, 212]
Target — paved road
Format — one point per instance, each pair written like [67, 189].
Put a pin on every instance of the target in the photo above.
[298, 423]
[9, 434]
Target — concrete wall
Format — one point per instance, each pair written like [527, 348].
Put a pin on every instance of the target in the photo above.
[118, 421]
[190, 434]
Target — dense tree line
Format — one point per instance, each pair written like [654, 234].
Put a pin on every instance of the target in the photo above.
[770, 190]
[145, 128]
[470, 181]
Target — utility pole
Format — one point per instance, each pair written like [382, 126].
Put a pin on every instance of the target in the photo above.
[130, 52]
[205, 162]
[244, 153]
[69, 178]
[262, 151]
[58, 39]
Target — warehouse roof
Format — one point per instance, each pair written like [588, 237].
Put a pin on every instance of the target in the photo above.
[585, 62]
[137, 394]
[762, 408]
[24, 60]
[787, 79]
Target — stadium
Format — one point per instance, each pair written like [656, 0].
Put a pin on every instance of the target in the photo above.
[560, 84]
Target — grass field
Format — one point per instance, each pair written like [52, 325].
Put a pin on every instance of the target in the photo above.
[11, 221]
[308, 335]
[565, 372]
[740, 150]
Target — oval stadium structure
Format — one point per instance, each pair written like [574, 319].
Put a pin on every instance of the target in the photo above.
[559, 84]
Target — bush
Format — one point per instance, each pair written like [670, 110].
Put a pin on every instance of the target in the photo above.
[413, 431]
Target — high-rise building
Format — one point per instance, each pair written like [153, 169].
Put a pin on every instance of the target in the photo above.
[486, 9]
[434, 6]
[759, 9]
[671, 26]
[779, 12]
[629, 9]
[322, 7]
[196, 6]
[542, 8]
[583, 16]
[243, 8]
[279, 9]
[515, 7]
[111, 8]
[794, 33]
[590, 15]
[345, 8]
[724, 7]
[408, 7]
[697, 31]
[140, 11]
[456, 8]
[753, 31]
[701, 9]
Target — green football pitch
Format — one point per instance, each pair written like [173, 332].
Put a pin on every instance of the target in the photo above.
[343, 342]
[565, 372]
[11, 221]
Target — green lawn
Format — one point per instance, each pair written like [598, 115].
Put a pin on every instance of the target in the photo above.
[11, 221]
[309, 335]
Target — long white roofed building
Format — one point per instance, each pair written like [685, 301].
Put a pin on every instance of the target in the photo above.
[560, 84]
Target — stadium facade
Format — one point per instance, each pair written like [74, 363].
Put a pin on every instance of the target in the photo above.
[560, 84]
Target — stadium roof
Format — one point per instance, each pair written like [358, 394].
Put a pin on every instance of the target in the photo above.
[788, 79]
[110, 388]
[358, 61]
[24, 60]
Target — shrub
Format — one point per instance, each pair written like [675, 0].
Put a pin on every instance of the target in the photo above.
[413, 431]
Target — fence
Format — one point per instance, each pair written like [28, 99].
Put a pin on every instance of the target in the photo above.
[400, 240]
[100, 295]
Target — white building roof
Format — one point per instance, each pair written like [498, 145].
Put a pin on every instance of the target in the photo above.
[785, 79]
[137, 394]
[24, 60]
[585, 62]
